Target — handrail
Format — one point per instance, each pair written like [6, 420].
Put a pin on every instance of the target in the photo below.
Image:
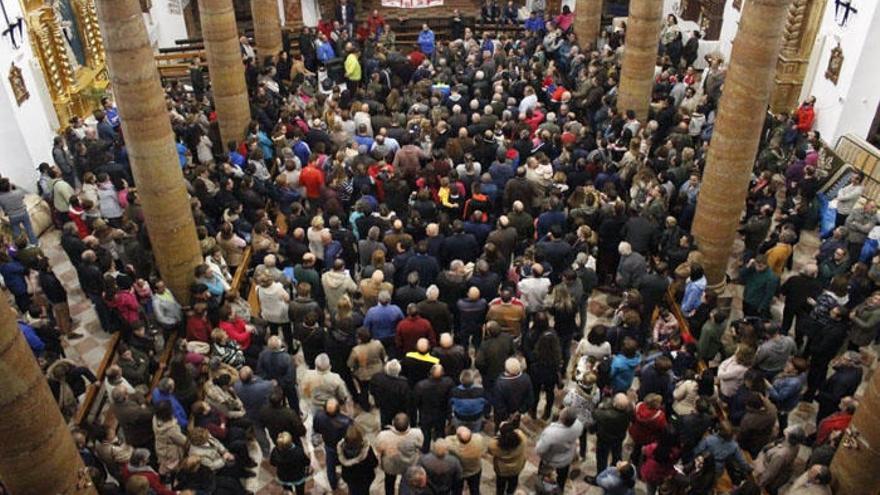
[93, 388]
[164, 360]
[241, 271]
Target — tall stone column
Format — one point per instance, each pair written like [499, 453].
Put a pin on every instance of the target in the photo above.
[37, 453]
[267, 28]
[737, 133]
[640, 57]
[587, 22]
[150, 143]
[854, 467]
[226, 68]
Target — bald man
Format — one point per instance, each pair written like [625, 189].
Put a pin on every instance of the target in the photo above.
[432, 404]
[468, 448]
[331, 424]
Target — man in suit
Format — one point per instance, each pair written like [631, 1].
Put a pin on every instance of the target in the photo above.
[345, 16]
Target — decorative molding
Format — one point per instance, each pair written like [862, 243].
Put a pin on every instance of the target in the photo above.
[48, 41]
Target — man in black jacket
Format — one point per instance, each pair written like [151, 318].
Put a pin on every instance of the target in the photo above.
[513, 391]
[432, 404]
[391, 392]
[331, 424]
[797, 290]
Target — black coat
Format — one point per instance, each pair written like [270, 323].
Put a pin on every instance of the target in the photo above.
[392, 394]
[513, 394]
[432, 399]
[842, 383]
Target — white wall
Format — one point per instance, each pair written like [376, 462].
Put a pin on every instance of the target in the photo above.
[728, 29]
[165, 23]
[26, 131]
[850, 105]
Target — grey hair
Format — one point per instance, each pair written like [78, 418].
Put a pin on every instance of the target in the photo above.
[322, 362]
[384, 297]
[393, 368]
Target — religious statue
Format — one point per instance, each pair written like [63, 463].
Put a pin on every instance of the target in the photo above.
[67, 21]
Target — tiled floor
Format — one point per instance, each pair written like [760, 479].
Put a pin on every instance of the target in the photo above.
[90, 350]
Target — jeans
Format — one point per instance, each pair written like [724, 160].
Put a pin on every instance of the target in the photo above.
[473, 483]
[602, 452]
[506, 485]
[332, 459]
[23, 220]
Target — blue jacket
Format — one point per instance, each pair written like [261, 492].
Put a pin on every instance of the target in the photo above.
[722, 451]
[786, 391]
[325, 52]
[236, 159]
[179, 412]
[302, 151]
[468, 403]
[382, 319]
[610, 481]
[693, 292]
[34, 342]
[535, 24]
[13, 274]
[426, 42]
[623, 370]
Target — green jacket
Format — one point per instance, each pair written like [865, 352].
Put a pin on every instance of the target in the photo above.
[710, 339]
[759, 287]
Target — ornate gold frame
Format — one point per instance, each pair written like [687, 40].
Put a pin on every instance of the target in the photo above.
[74, 93]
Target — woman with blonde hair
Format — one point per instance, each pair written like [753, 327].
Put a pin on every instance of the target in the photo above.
[316, 230]
[564, 309]
[291, 464]
[212, 453]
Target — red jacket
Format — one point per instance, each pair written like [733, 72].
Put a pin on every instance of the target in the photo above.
[805, 117]
[152, 477]
[198, 329]
[838, 421]
[655, 472]
[127, 305]
[410, 330]
[237, 331]
[647, 424]
[312, 178]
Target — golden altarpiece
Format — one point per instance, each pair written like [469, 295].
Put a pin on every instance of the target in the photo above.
[67, 41]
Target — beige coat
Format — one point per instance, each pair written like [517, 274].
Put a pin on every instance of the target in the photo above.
[170, 444]
[366, 360]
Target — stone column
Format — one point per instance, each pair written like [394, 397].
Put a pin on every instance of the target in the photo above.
[267, 28]
[854, 467]
[150, 143]
[37, 454]
[587, 22]
[226, 68]
[737, 133]
[640, 57]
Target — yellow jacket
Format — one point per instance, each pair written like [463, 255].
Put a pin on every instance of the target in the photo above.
[352, 68]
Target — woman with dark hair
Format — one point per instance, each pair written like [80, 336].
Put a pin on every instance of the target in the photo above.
[659, 461]
[564, 311]
[544, 358]
[358, 461]
[508, 451]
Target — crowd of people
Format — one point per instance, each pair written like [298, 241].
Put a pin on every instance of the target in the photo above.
[427, 231]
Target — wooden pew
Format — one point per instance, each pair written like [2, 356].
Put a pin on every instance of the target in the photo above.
[93, 392]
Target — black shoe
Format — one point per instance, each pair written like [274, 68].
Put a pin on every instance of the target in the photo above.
[590, 480]
[74, 336]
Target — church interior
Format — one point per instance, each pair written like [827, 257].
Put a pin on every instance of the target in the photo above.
[69, 63]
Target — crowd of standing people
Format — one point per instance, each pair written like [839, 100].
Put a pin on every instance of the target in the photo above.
[427, 232]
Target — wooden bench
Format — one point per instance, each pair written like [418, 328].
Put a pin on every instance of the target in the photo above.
[94, 389]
